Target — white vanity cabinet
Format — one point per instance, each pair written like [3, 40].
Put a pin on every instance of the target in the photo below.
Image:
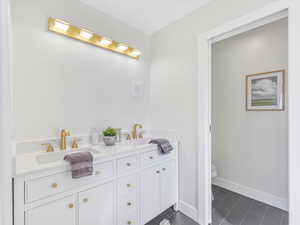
[157, 189]
[127, 188]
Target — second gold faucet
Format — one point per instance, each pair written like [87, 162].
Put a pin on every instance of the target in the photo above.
[63, 143]
[134, 131]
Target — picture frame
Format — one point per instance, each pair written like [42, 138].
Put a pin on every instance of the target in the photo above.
[265, 91]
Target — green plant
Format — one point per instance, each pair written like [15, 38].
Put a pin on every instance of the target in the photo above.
[109, 132]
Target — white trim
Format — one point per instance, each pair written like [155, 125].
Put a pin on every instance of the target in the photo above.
[204, 96]
[258, 195]
[188, 210]
[256, 24]
[5, 117]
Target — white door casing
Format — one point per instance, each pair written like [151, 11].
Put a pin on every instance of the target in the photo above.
[205, 41]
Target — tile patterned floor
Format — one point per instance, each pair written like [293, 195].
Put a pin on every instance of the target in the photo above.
[230, 208]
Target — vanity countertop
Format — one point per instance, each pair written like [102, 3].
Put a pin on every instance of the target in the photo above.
[27, 163]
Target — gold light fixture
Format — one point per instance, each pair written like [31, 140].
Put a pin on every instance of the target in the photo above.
[64, 28]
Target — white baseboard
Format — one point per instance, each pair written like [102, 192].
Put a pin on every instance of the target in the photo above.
[188, 210]
[261, 196]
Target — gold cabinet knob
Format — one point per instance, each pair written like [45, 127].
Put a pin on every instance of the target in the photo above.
[97, 172]
[85, 200]
[71, 205]
[129, 203]
[129, 222]
[54, 185]
[157, 171]
[128, 164]
[129, 185]
[151, 157]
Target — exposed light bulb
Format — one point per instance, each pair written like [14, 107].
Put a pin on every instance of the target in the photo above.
[61, 25]
[86, 34]
[122, 47]
[136, 52]
[105, 41]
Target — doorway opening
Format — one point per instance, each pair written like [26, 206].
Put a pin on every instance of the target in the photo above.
[269, 14]
[249, 115]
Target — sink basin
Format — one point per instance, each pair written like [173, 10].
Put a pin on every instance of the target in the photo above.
[140, 143]
[49, 157]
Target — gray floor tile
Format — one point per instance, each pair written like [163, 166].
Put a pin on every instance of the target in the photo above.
[285, 218]
[257, 208]
[238, 213]
[252, 219]
[272, 216]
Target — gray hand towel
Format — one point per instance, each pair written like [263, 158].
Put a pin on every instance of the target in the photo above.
[163, 145]
[81, 163]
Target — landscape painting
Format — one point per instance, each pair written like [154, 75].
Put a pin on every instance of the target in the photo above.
[265, 91]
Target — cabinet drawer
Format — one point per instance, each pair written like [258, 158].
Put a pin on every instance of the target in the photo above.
[128, 164]
[104, 170]
[127, 185]
[130, 219]
[53, 184]
[149, 158]
[127, 204]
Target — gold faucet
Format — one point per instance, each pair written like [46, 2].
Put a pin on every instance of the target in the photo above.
[134, 132]
[63, 142]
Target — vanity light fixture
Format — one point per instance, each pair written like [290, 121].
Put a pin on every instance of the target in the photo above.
[105, 41]
[86, 34]
[61, 25]
[64, 28]
[122, 47]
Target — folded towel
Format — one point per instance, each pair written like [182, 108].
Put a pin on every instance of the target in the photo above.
[163, 145]
[81, 163]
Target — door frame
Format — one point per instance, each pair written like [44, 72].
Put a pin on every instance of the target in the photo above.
[205, 41]
[5, 117]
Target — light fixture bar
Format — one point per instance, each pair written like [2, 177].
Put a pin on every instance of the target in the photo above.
[64, 28]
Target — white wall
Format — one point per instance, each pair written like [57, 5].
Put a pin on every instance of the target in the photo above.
[174, 80]
[249, 148]
[63, 83]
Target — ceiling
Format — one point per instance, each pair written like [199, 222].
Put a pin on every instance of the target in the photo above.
[147, 16]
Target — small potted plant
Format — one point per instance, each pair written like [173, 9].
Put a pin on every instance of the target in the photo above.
[109, 136]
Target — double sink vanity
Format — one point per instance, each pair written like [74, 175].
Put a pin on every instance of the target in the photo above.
[131, 184]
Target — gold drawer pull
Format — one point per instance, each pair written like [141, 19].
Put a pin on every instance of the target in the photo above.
[157, 171]
[129, 185]
[85, 200]
[98, 172]
[129, 222]
[129, 203]
[71, 205]
[55, 185]
[128, 164]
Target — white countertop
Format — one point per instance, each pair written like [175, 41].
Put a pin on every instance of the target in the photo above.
[27, 163]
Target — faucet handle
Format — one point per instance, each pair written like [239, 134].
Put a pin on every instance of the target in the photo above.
[75, 143]
[49, 148]
[128, 137]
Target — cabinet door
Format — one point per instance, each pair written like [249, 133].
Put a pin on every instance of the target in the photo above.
[60, 212]
[150, 194]
[96, 205]
[168, 184]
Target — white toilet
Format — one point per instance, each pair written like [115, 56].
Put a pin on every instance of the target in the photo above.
[214, 174]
